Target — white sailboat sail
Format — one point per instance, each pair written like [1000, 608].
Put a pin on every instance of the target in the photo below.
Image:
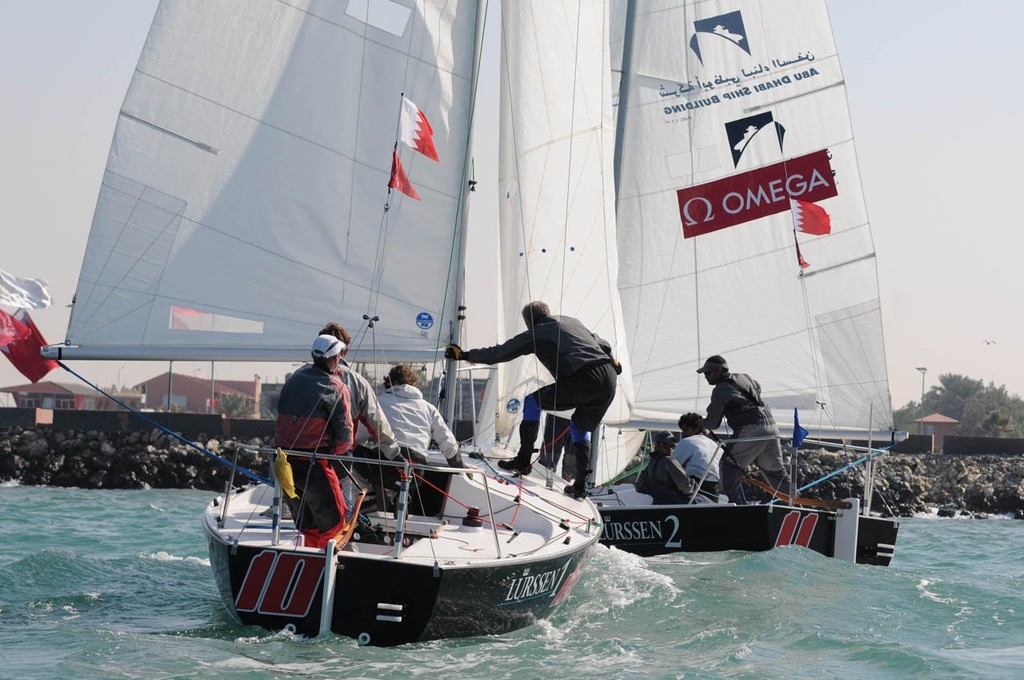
[557, 223]
[242, 203]
[730, 111]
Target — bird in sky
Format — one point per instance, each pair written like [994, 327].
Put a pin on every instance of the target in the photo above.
[989, 342]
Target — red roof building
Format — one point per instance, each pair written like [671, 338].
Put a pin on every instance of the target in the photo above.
[64, 396]
[189, 394]
[939, 426]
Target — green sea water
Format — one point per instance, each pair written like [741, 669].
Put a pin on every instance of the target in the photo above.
[117, 584]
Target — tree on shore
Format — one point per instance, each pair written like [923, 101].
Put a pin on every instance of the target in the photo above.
[983, 411]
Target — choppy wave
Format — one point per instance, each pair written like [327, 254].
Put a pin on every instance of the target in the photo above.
[104, 584]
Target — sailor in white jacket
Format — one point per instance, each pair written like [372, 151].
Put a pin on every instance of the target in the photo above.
[415, 420]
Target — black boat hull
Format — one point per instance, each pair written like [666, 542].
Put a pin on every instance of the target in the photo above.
[388, 602]
[661, 529]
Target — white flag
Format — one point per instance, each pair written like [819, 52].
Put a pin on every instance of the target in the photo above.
[18, 292]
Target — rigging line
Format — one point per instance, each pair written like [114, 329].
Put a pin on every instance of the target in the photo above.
[248, 473]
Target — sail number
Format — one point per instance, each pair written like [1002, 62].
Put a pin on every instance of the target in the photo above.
[672, 542]
[790, 534]
[280, 584]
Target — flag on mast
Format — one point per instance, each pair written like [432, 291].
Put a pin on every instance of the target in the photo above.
[415, 131]
[799, 433]
[810, 218]
[399, 180]
[23, 351]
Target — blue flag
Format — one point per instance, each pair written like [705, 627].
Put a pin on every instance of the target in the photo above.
[799, 433]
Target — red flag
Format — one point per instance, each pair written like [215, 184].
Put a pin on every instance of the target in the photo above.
[804, 264]
[10, 329]
[399, 180]
[414, 130]
[810, 218]
[24, 351]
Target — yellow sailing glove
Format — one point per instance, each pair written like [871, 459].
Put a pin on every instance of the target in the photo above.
[452, 351]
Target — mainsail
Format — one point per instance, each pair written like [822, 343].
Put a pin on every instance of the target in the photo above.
[242, 204]
[729, 112]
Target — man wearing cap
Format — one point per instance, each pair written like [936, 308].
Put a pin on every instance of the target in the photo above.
[737, 398]
[664, 478]
[313, 414]
[585, 375]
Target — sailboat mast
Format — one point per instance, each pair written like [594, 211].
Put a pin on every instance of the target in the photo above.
[624, 83]
[463, 224]
[620, 126]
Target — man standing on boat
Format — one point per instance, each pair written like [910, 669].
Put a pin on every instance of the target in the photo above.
[371, 426]
[585, 375]
[737, 398]
[313, 415]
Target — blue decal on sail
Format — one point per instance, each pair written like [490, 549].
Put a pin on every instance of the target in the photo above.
[513, 405]
[424, 320]
[727, 26]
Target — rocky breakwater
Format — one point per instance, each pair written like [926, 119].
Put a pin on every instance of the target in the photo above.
[120, 460]
[904, 483]
[910, 483]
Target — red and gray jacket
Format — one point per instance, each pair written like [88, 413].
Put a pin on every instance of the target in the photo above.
[314, 412]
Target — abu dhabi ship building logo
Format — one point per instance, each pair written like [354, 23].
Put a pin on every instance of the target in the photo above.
[727, 26]
[741, 133]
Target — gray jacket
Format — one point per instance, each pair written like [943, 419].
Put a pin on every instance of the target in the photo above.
[738, 399]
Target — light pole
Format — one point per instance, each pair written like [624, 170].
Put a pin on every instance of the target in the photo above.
[920, 422]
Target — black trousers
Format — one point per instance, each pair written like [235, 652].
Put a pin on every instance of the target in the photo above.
[589, 391]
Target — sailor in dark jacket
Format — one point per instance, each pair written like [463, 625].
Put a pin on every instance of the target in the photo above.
[314, 415]
[585, 376]
[664, 478]
[737, 398]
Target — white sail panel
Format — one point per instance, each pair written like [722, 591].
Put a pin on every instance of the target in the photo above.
[747, 112]
[248, 176]
[555, 177]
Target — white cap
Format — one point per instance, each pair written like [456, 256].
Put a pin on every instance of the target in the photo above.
[327, 346]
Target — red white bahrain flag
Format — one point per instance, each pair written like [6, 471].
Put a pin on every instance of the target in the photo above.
[414, 130]
[23, 350]
[810, 218]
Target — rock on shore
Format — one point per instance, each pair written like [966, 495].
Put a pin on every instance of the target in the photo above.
[904, 483]
[121, 460]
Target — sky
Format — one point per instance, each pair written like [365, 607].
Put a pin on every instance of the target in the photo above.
[934, 97]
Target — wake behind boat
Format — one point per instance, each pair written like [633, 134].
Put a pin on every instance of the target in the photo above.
[471, 553]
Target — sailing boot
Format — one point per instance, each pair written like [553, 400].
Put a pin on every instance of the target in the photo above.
[578, 489]
[523, 462]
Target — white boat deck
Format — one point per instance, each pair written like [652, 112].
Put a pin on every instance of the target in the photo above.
[529, 520]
